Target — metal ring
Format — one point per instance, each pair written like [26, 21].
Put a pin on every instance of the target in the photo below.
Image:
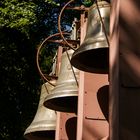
[59, 24]
[37, 56]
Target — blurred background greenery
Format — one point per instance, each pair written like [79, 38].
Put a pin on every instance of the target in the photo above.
[24, 24]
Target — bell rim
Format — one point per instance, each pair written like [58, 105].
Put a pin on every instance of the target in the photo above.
[44, 128]
[61, 94]
[75, 60]
[31, 135]
[69, 96]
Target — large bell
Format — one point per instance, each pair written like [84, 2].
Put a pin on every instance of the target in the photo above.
[64, 96]
[93, 54]
[44, 123]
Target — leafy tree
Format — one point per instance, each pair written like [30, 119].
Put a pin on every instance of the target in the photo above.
[20, 24]
[19, 83]
[24, 24]
[17, 15]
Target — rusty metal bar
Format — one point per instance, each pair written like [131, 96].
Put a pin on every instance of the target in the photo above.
[74, 42]
[97, 119]
[79, 8]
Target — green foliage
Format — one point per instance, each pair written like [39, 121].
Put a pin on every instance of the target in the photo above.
[22, 28]
[19, 84]
[17, 15]
[52, 2]
[22, 15]
[24, 24]
[87, 3]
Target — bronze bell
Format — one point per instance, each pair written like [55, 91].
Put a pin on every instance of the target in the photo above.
[44, 123]
[65, 94]
[93, 54]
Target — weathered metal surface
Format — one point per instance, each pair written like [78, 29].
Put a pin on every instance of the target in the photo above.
[92, 116]
[96, 91]
[44, 123]
[95, 45]
[64, 95]
[66, 126]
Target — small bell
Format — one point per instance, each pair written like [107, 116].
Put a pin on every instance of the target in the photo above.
[44, 123]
